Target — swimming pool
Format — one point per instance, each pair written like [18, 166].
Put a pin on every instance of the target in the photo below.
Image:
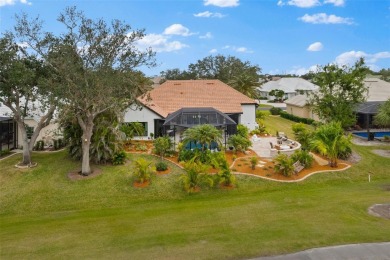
[377, 134]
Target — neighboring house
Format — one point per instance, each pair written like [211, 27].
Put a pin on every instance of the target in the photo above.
[290, 86]
[180, 104]
[297, 106]
[10, 138]
[378, 93]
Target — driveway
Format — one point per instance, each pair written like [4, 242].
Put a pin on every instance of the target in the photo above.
[371, 251]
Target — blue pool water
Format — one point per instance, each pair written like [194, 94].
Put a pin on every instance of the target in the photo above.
[377, 134]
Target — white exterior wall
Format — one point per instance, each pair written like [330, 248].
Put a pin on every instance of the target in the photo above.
[248, 117]
[144, 115]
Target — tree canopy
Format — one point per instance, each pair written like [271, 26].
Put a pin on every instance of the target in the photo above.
[27, 88]
[216, 67]
[340, 90]
[383, 116]
[96, 62]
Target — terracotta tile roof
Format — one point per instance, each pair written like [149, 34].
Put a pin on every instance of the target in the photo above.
[175, 94]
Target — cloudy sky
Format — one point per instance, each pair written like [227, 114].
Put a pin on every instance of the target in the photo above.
[281, 36]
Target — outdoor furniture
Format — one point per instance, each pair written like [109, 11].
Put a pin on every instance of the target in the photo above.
[255, 138]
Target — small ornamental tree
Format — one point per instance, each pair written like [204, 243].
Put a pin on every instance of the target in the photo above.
[277, 93]
[162, 145]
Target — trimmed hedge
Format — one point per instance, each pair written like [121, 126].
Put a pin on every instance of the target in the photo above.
[297, 119]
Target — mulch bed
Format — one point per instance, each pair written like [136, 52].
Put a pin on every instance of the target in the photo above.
[141, 185]
[242, 165]
[76, 174]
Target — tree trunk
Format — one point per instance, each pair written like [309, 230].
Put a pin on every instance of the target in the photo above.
[86, 143]
[26, 151]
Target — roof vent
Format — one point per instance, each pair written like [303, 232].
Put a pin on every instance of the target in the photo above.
[209, 83]
[177, 84]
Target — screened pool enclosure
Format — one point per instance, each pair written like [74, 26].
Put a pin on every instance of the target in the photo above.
[177, 122]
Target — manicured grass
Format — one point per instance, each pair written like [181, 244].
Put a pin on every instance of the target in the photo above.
[277, 123]
[44, 215]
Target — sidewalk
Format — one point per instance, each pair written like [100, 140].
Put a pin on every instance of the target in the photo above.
[369, 251]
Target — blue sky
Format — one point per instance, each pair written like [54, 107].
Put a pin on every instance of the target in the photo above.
[281, 36]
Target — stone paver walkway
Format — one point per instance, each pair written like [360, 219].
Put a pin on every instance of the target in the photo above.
[262, 146]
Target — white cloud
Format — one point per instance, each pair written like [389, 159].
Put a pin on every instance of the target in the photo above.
[298, 70]
[12, 2]
[222, 3]
[213, 51]
[322, 18]
[300, 3]
[237, 49]
[350, 57]
[335, 2]
[208, 35]
[317, 46]
[208, 14]
[310, 3]
[177, 29]
[160, 43]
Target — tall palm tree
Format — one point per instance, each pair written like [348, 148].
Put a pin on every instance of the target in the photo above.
[203, 135]
[246, 84]
[330, 141]
[383, 116]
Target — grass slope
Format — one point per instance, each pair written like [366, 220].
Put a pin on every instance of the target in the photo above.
[44, 215]
[280, 124]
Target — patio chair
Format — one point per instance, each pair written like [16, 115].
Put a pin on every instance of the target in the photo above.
[255, 138]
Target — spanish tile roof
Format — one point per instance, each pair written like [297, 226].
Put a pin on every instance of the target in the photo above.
[173, 95]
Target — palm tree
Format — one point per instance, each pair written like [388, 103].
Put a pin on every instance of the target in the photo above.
[246, 84]
[330, 141]
[383, 116]
[143, 170]
[204, 135]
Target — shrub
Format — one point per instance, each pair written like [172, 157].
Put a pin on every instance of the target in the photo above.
[195, 176]
[119, 158]
[4, 152]
[304, 157]
[275, 111]
[239, 143]
[298, 119]
[162, 145]
[141, 147]
[161, 166]
[242, 130]
[196, 155]
[254, 162]
[39, 146]
[143, 170]
[386, 137]
[284, 165]
[260, 114]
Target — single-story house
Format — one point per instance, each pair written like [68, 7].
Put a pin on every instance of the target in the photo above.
[378, 93]
[10, 137]
[290, 86]
[180, 104]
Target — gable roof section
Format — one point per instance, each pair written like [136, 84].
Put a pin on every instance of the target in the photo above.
[298, 100]
[173, 95]
[288, 85]
[378, 90]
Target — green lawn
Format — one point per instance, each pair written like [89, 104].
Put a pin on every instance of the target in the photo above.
[280, 124]
[44, 215]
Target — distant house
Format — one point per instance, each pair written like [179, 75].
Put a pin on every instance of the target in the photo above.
[290, 86]
[378, 93]
[10, 137]
[180, 104]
